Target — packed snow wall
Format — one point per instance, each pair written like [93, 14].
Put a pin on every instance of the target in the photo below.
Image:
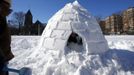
[73, 18]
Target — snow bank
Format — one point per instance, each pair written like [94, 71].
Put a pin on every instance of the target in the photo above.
[121, 42]
[117, 61]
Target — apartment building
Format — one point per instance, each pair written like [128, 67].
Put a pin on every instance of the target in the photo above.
[113, 24]
[128, 19]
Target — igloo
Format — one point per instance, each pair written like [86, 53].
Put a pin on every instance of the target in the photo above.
[73, 29]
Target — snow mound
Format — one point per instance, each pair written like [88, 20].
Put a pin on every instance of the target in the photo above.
[116, 61]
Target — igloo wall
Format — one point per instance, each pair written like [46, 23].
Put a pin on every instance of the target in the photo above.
[73, 18]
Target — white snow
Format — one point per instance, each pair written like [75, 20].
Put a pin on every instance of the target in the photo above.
[54, 54]
[117, 61]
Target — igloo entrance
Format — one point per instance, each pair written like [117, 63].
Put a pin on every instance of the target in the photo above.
[74, 43]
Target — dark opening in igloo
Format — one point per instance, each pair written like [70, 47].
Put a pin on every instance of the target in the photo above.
[74, 38]
[74, 43]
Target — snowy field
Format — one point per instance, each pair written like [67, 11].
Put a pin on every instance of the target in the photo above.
[117, 61]
[72, 44]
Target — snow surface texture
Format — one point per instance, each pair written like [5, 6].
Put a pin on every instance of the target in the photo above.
[52, 55]
[117, 61]
[73, 18]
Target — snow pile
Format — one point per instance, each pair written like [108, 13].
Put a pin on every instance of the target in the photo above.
[116, 61]
[116, 44]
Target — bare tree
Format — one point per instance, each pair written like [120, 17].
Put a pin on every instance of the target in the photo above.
[18, 19]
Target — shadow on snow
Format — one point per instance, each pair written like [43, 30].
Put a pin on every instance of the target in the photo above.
[124, 58]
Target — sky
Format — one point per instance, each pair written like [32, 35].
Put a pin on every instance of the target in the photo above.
[43, 10]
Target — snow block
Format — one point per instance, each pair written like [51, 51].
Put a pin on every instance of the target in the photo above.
[59, 44]
[64, 26]
[49, 43]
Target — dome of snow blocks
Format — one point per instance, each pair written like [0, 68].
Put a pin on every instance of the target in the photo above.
[73, 18]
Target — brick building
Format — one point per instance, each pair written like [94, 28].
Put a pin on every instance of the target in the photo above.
[28, 23]
[122, 23]
[107, 25]
[102, 25]
[37, 28]
[128, 19]
[31, 28]
[113, 24]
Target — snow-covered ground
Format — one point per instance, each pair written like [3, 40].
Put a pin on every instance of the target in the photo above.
[121, 42]
[117, 61]
[54, 53]
[87, 54]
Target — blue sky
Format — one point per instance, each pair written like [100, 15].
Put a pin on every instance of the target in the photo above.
[44, 9]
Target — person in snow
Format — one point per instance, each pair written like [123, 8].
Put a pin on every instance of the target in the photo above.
[5, 37]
